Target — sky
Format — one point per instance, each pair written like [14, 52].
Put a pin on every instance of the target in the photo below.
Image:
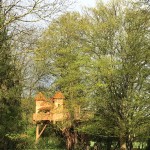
[78, 6]
[88, 3]
[85, 3]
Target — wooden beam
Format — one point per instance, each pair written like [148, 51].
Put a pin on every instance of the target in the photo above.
[38, 130]
[42, 130]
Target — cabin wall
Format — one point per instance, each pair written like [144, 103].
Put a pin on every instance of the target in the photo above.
[38, 105]
[58, 113]
[58, 103]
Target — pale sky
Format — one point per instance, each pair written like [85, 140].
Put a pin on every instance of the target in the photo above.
[88, 3]
[85, 3]
[79, 4]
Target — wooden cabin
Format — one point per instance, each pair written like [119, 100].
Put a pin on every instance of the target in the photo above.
[51, 110]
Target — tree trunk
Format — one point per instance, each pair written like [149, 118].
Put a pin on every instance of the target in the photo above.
[87, 147]
[69, 143]
[129, 143]
[70, 138]
[148, 144]
[109, 144]
[123, 143]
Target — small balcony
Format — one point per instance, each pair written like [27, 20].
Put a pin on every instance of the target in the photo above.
[42, 116]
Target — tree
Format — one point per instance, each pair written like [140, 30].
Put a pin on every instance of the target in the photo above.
[13, 14]
[10, 91]
[59, 57]
[119, 52]
[20, 16]
[104, 57]
[31, 11]
[58, 54]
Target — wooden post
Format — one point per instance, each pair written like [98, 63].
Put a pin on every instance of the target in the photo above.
[37, 132]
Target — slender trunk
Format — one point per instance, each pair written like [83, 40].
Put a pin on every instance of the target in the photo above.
[69, 143]
[129, 142]
[87, 147]
[123, 143]
[0, 5]
[108, 144]
[70, 139]
[75, 139]
[148, 144]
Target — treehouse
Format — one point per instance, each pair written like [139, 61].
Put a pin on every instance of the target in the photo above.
[51, 110]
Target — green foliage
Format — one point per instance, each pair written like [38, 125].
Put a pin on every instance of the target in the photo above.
[60, 57]
[119, 52]
[99, 60]
[104, 59]
[10, 92]
[49, 140]
[102, 62]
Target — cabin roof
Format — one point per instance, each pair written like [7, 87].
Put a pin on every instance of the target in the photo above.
[58, 95]
[40, 97]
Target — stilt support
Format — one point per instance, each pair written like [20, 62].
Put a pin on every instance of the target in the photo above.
[38, 133]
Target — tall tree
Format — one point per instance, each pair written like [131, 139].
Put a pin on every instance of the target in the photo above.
[119, 50]
[60, 57]
[10, 90]
[104, 58]
[59, 54]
